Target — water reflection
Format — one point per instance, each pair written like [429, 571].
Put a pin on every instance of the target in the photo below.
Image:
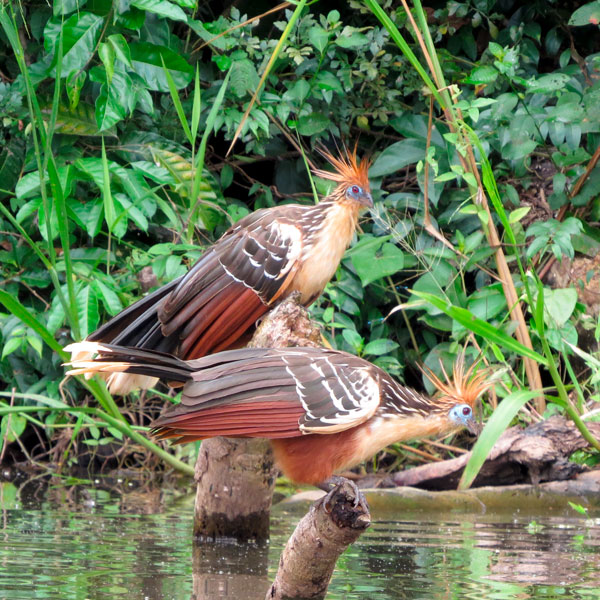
[230, 571]
[99, 542]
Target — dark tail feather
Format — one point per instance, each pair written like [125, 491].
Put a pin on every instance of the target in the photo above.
[136, 322]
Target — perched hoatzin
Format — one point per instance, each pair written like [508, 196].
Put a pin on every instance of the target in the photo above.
[261, 259]
[323, 410]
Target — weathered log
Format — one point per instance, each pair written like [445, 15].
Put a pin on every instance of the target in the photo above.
[333, 523]
[236, 478]
[532, 455]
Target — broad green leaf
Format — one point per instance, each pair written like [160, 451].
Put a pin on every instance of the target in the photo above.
[482, 75]
[162, 8]
[559, 305]
[65, 7]
[351, 38]
[298, 92]
[109, 297]
[56, 315]
[107, 55]
[588, 14]
[312, 124]
[120, 47]
[51, 220]
[116, 100]
[518, 149]
[325, 80]
[36, 343]
[73, 85]
[90, 215]
[153, 172]
[353, 339]
[29, 184]
[375, 261]
[79, 121]
[414, 126]
[318, 37]
[147, 60]
[131, 211]
[493, 429]
[397, 156]
[517, 214]
[15, 426]
[13, 343]
[550, 82]
[87, 309]
[379, 347]
[487, 303]
[80, 33]
[244, 77]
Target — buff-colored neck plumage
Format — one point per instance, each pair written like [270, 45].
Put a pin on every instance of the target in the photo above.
[322, 256]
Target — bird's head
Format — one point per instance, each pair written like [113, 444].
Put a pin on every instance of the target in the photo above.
[458, 394]
[352, 178]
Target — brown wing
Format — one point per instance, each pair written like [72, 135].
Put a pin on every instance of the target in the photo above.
[232, 284]
[273, 393]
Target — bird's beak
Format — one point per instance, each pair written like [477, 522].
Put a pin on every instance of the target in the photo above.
[367, 200]
[473, 426]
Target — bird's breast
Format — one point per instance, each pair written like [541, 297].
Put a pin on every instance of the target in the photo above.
[324, 249]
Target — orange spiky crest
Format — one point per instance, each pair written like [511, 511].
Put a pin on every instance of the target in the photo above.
[463, 387]
[347, 169]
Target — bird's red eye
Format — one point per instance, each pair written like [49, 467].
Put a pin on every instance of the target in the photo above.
[466, 411]
[355, 189]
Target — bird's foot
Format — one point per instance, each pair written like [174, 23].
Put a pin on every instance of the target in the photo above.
[335, 485]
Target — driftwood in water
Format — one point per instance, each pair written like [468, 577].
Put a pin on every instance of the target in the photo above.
[236, 477]
[533, 455]
[307, 562]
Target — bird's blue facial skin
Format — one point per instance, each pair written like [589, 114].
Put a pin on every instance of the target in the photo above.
[462, 416]
[358, 194]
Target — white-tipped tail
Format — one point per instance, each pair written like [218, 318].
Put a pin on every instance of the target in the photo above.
[119, 383]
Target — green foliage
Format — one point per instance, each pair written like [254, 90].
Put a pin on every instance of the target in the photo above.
[116, 121]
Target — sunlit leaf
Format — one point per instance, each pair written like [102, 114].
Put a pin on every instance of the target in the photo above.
[148, 59]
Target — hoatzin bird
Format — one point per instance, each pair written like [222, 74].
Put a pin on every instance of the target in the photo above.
[261, 259]
[323, 410]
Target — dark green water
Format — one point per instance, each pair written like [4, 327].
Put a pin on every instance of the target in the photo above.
[85, 543]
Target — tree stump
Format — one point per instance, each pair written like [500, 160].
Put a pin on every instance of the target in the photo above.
[235, 481]
[236, 477]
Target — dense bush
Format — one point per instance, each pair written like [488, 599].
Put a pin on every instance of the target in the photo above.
[127, 111]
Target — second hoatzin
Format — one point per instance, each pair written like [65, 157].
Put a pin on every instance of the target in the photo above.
[263, 258]
[323, 410]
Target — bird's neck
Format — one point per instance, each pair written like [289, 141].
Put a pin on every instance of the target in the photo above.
[379, 432]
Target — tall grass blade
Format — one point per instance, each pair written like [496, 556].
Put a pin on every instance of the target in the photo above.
[50, 404]
[480, 327]
[284, 36]
[19, 311]
[177, 103]
[493, 429]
